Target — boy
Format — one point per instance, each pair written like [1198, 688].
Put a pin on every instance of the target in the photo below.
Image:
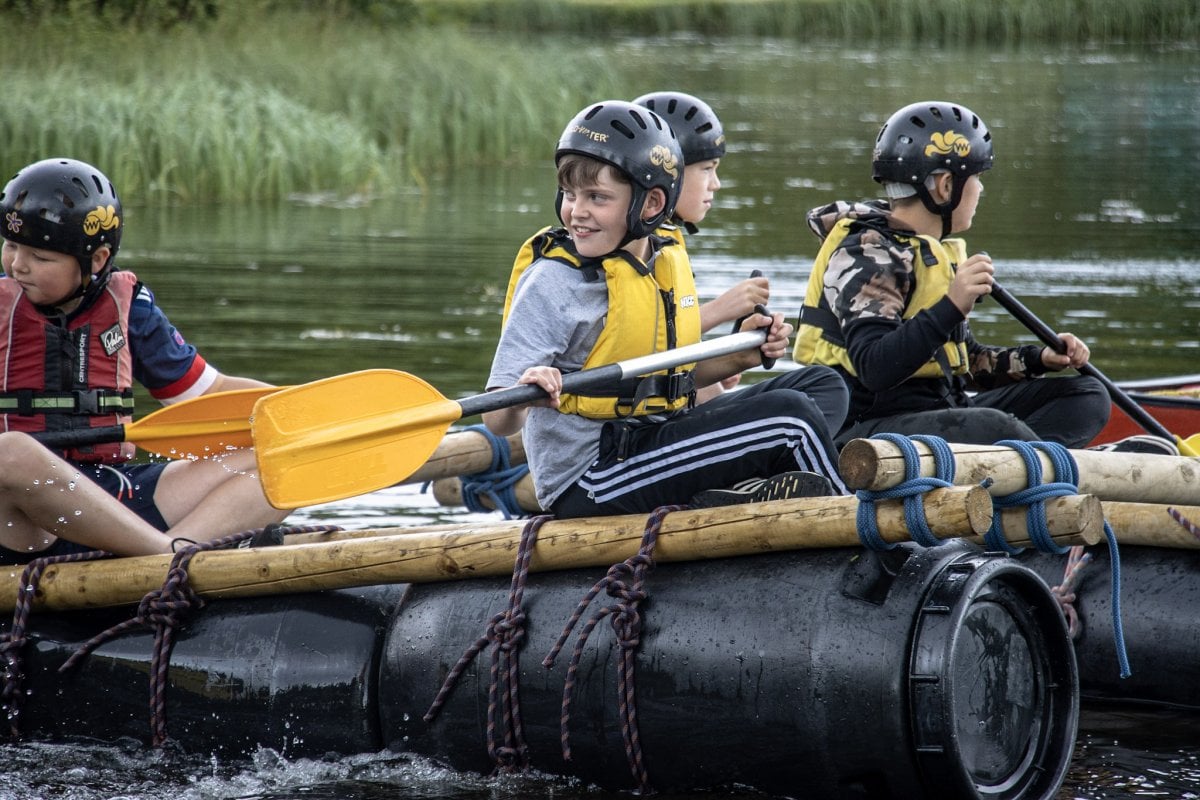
[702, 139]
[604, 288]
[889, 298]
[78, 332]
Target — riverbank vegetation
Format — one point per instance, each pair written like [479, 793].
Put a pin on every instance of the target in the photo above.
[201, 100]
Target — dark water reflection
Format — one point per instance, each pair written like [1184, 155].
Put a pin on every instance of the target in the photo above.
[1091, 215]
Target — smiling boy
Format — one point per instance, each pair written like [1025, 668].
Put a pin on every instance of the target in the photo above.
[604, 288]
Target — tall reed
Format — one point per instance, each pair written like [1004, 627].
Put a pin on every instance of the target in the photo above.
[871, 22]
[227, 112]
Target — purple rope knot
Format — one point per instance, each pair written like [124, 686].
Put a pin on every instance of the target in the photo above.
[626, 622]
[505, 631]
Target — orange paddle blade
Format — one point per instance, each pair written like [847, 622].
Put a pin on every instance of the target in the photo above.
[347, 435]
[203, 426]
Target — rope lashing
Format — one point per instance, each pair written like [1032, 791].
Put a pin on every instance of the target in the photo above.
[1035, 496]
[505, 632]
[164, 609]
[497, 483]
[912, 489]
[12, 642]
[1064, 592]
[624, 583]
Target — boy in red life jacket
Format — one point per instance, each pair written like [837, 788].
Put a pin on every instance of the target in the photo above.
[605, 288]
[77, 332]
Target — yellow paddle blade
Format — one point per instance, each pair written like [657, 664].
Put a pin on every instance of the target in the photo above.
[203, 426]
[346, 435]
[1189, 446]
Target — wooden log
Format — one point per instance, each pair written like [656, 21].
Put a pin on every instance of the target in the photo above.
[875, 465]
[464, 453]
[449, 492]
[360, 558]
[1151, 524]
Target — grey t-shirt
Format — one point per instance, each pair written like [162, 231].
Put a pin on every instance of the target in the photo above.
[555, 318]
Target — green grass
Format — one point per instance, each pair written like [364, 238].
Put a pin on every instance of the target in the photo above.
[871, 22]
[182, 101]
[226, 111]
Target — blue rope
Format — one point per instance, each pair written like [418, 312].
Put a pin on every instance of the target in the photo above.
[1035, 496]
[910, 489]
[497, 483]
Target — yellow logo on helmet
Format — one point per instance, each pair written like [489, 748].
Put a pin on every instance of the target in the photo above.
[947, 143]
[661, 156]
[101, 218]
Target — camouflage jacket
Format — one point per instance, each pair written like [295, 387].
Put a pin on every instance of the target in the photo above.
[868, 284]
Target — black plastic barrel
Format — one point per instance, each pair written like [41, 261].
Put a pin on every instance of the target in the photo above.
[941, 673]
[1160, 590]
[296, 673]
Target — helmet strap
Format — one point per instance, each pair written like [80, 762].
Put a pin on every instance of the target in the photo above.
[943, 210]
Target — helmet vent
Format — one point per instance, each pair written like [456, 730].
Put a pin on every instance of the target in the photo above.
[622, 128]
[81, 186]
[918, 122]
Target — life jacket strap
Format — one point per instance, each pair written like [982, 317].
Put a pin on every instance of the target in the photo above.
[90, 402]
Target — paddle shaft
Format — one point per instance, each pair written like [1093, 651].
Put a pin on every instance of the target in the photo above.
[1044, 332]
[574, 382]
[81, 437]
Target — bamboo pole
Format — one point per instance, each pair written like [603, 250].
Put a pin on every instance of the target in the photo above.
[362, 558]
[875, 465]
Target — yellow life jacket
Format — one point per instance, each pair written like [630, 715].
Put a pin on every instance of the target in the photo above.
[649, 311]
[819, 334]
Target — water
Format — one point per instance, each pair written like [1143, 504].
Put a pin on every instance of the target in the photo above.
[1090, 213]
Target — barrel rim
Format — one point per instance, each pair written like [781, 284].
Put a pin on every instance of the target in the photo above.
[938, 633]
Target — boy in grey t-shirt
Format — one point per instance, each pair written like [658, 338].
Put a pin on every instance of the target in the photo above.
[604, 289]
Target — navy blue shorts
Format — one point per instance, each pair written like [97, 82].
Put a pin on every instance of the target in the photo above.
[132, 484]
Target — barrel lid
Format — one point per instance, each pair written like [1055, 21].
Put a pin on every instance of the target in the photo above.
[993, 684]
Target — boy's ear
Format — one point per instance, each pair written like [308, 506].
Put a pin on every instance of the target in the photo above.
[656, 201]
[100, 258]
[943, 187]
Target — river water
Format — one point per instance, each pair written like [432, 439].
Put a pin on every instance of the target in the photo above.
[1091, 215]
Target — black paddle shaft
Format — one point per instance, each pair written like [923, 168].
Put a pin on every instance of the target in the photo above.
[81, 437]
[1051, 339]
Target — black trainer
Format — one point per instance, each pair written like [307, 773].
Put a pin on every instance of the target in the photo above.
[270, 536]
[1142, 443]
[784, 486]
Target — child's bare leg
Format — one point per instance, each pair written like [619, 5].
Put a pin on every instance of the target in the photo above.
[214, 497]
[43, 497]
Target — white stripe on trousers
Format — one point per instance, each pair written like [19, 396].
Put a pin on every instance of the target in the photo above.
[714, 447]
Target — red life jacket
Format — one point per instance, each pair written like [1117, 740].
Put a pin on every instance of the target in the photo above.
[73, 372]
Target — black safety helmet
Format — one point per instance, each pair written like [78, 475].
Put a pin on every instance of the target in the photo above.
[638, 143]
[63, 205]
[928, 137]
[700, 135]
